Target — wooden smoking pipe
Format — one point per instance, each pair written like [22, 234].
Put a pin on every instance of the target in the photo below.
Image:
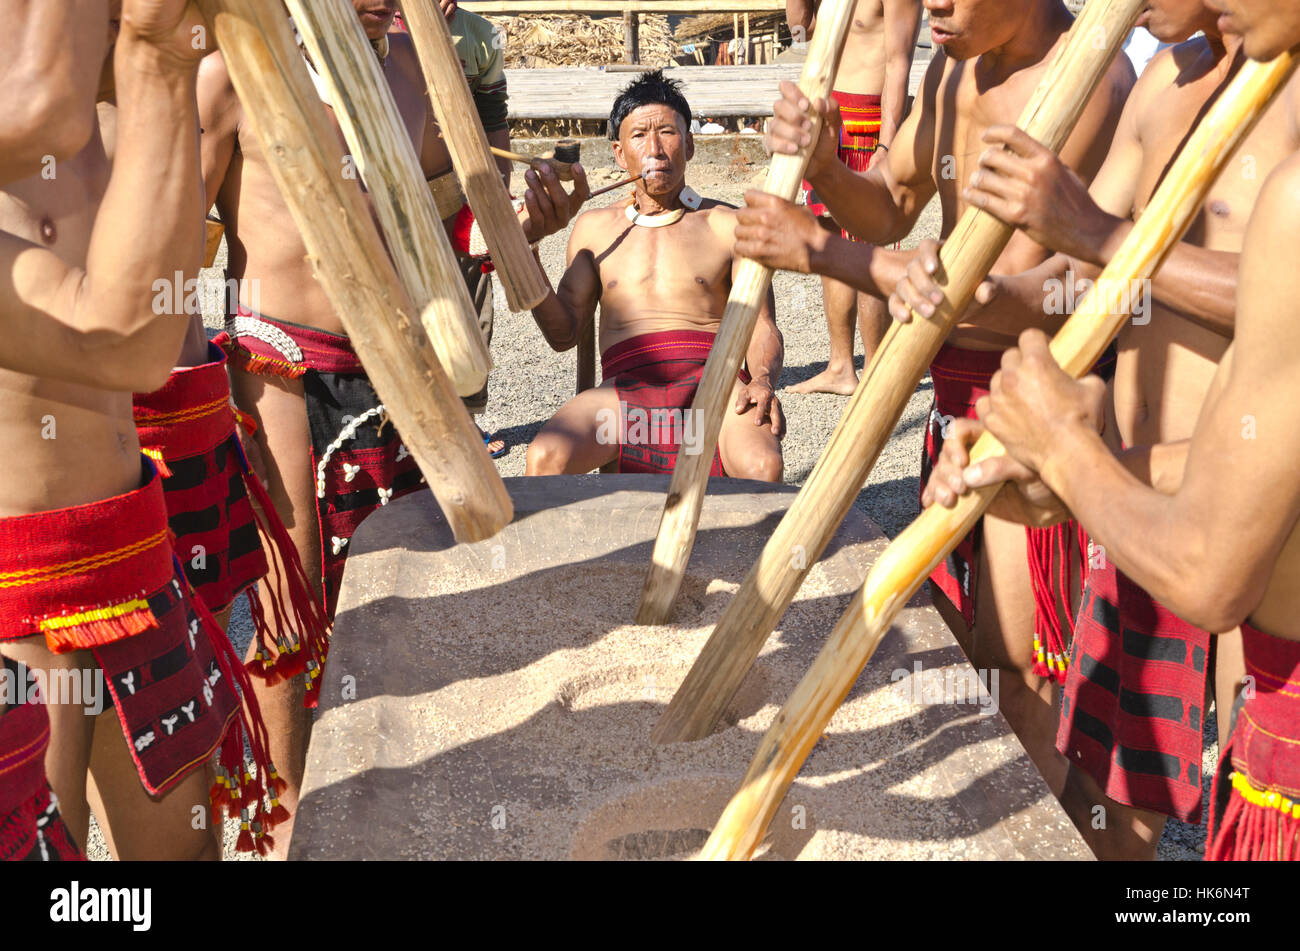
[563, 159]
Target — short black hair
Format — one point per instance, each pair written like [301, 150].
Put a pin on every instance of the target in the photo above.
[648, 89]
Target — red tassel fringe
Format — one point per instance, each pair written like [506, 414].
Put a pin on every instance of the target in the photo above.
[1053, 633]
[242, 793]
[303, 614]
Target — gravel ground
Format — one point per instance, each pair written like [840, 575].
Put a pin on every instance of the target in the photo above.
[530, 382]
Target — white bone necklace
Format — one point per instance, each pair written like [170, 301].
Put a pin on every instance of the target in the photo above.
[688, 198]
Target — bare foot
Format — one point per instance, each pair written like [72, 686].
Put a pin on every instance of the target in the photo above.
[841, 382]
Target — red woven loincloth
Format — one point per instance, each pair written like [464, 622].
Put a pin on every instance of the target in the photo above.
[102, 577]
[1256, 814]
[188, 429]
[358, 457]
[30, 826]
[960, 377]
[656, 376]
[859, 138]
[1134, 700]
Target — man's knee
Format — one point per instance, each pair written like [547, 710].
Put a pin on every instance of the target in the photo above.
[547, 456]
[761, 466]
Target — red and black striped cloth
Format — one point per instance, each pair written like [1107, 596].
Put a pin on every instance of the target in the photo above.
[358, 457]
[103, 577]
[1134, 700]
[188, 427]
[1256, 814]
[30, 826]
[656, 376]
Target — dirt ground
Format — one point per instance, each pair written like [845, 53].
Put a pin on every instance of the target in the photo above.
[530, 382]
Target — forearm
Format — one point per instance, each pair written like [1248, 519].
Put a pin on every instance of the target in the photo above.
[893, 102]
[862, 204]
[560, 322]
[1151, 536]
[765, 357]
[865, 267]
[1034, 298]
[1160, 466]
[135, 243]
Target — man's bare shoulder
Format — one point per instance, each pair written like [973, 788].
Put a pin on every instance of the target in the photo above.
[1181, 62]
[216, 89]
[596, 223]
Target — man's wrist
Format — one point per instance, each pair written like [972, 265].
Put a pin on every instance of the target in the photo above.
[1109, 239]
[820, 251]
[1073, 444]
[144, 58]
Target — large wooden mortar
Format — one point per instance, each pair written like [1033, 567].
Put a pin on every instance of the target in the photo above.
[490, 700]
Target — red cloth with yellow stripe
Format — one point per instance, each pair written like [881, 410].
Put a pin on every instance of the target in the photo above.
[102, 577]
[1256, 814]
[30, 826]
[861, 117]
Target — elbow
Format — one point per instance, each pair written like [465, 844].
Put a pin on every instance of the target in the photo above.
[562, 343]
[1214, 599]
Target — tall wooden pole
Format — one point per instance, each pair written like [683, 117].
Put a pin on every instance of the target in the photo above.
[681, 513]
[521, 276]
[306, 160]
[882, 393]
[386, 159]
[908, 561]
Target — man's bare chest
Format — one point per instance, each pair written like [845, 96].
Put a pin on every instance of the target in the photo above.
[683, 258]
[56, 208]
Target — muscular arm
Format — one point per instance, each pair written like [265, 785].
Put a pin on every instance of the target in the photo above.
[882, 204]
[766, 353]
[902, 25]
[98, 325]
[799, 15]
[567, 310]
[48, 106]
[1208, 550]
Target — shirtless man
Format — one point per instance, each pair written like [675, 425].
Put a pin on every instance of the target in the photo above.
[293, 369]
[990, 56]
[660, 268]
[1167, 357]
[80, 252]
[1216, 538]
[871, 89]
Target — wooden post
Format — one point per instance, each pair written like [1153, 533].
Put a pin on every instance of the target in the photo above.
[690, 477]
[908, 561]
[522, 280]
[877, 403]
[587, 357]
[349, 259]
[746, 39]
[386, 159]
[631, 37]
